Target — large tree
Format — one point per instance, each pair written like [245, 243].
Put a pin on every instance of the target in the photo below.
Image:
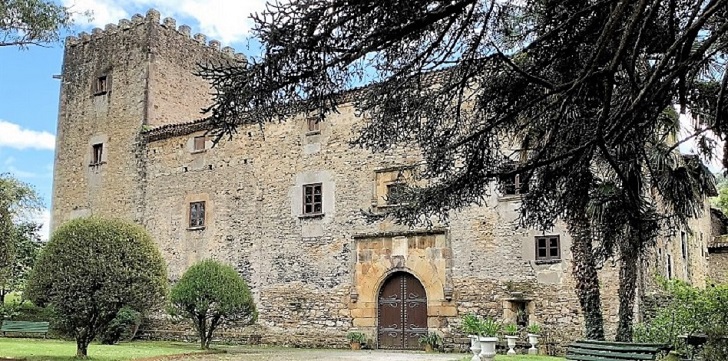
[31, 22]
[90, 270]
[577, 86]
[19, 205]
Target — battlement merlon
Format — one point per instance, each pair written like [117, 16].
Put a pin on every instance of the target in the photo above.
[152, 17]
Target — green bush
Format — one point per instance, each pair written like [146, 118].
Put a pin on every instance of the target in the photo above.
[90, 269]
[211, 294]
[122, 326]
[690, 311]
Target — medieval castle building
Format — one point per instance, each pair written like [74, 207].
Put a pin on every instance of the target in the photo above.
[284, 209]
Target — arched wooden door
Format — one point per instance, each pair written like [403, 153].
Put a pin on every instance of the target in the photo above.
[401, 312]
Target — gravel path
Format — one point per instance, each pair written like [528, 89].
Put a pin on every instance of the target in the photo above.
[293, 354]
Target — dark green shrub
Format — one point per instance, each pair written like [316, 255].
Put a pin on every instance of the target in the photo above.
[211, 294]
[122, 326]
[90, 269]
[690, 311]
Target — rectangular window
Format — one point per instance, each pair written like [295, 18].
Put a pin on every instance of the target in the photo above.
[684, 245]
[102, 85]
[548, 248]
[512, 185]
[97, 153]
[669, 267]
[199, 143]
[394, 193]
[313, 125]
[197, 214]
[312, 199]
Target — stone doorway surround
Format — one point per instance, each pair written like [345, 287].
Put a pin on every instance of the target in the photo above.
[424, 254]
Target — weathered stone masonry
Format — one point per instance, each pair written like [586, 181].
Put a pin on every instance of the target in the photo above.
[313, 277]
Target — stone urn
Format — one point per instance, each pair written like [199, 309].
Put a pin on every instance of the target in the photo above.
[474, 347]
[533, 340]
[511, 344]
[487, 347]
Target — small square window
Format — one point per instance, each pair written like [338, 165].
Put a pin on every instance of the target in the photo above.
[312, 199]
[199, 143]
[102, 85]
[97, 153]
[394, 193]
[313, 125]
[197, 214]
[548, 248]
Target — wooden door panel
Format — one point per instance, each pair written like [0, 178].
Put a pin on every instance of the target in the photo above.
[402, 312]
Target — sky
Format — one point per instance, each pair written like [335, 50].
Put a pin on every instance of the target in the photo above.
[29, 93]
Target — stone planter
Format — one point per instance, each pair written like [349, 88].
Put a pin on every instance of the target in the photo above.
[487, 348]
[511, 344]
[474, 347]
[533, 340]
[429, 348]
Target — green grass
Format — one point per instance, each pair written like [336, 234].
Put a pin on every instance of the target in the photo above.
[55, 350]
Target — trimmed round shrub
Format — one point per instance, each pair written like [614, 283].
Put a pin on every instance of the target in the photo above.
[211, 294]
[91, 269]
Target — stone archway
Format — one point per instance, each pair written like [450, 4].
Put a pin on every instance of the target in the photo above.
[401, 312]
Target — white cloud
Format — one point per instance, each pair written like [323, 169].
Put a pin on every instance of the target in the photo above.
[224, 20]
[44, 217]
[689, 144]
[14, 136]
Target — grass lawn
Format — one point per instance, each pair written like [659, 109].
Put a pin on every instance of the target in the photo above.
[39, 349]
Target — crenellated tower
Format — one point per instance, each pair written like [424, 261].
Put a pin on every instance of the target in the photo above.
[132, 75]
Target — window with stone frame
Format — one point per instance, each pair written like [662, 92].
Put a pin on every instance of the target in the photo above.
[97, 153]
[394, 193]
[312, 199]
[199, 143]
[101, 85]
[313, 125]
[389, 184]
[197, 214]
[548, 248]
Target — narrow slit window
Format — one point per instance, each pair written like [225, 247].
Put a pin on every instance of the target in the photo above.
[197, 214]
[97, 153]
[312, 199]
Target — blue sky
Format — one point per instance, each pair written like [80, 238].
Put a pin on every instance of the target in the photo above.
[29, 94]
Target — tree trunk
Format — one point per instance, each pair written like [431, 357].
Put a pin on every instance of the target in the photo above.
[585, 275]
[201, 329]
[82, 347]
[627, 290]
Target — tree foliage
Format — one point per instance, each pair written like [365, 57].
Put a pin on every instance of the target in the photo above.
[688, 310]
[569, 94]
[31, 22]
[92, 268]
[211, 294]
[19, 204]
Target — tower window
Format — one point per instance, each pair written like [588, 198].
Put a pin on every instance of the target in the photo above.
[313, 126]
[102, 85]
[97, 153]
